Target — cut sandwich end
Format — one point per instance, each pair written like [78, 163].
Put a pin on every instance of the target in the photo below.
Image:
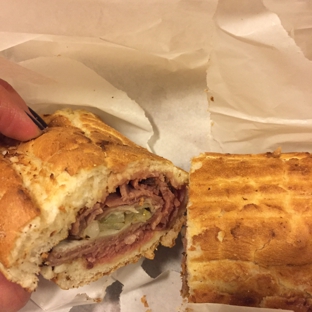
[66, 181]
[127, 225]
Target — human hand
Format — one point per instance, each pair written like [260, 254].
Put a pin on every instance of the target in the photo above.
[14, 121]
[12, 296]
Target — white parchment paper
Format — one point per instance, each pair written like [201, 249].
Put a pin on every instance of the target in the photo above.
[259, 81]
[49, 297]
[150, 68]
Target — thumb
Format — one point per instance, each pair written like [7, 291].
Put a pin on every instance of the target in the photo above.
[14, 122]
[12, 296]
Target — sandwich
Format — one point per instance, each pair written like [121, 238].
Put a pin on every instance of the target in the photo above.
[82, 200]
[248, 238]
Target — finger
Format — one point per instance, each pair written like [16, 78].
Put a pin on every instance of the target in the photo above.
[14, 121]
[12, 296]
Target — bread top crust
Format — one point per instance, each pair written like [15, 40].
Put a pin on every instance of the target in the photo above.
[249, 223]
[78, 140]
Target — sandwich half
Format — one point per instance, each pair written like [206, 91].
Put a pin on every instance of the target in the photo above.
[248, 240]
[82, 200]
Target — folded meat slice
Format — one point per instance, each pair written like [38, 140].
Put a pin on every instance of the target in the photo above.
[122, 222]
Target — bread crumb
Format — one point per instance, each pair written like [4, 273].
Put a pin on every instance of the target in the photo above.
[144, 301]
[44, 256]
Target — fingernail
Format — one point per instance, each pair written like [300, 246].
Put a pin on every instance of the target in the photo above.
[37, 120]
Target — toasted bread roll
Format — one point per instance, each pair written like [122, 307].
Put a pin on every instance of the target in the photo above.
[249, 230]
[82, 200]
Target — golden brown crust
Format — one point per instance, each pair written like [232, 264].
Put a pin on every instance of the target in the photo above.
[66, 148]
[12, 220]
[69, 148]
[249, 230]
[88, 123]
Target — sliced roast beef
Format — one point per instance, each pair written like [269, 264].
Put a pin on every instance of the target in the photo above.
[165, 199]
[86, 216]
[153, 188]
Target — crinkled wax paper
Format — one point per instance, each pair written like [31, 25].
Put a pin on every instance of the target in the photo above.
[259, 79]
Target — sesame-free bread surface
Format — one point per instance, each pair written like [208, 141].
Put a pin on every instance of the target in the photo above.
[46, 184]
[248, 240]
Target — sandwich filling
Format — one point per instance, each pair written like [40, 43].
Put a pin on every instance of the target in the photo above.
[121, 222]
